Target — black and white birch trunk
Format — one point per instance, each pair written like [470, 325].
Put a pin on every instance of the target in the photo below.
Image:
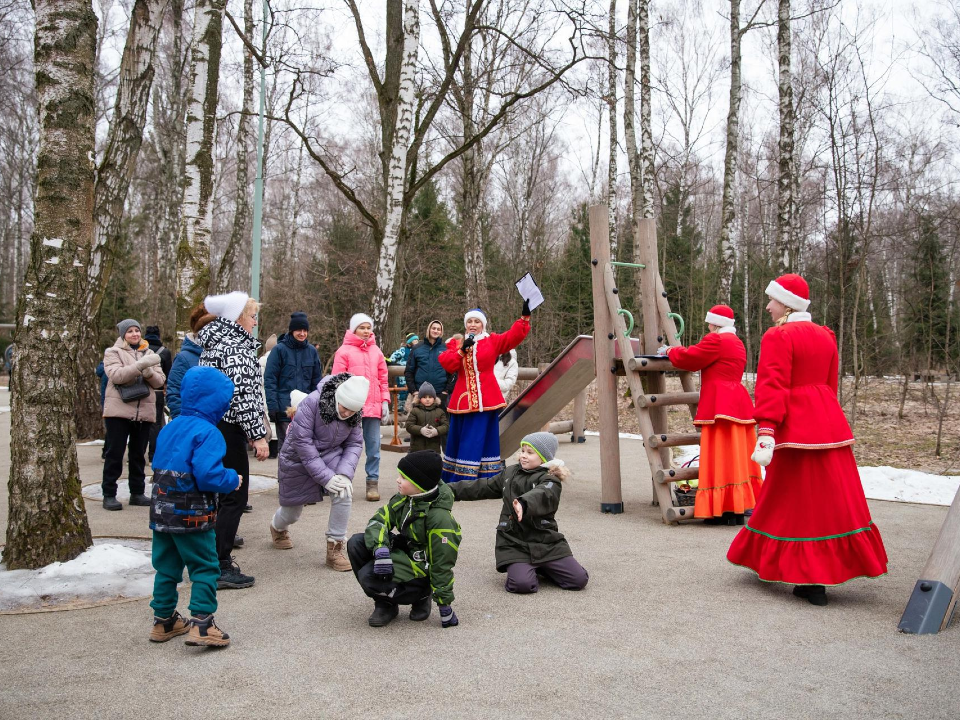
[785, 252]
[646, 128]
[193, 248]
[612, 121]
[47, 521]
[630, 131]
[726, 255]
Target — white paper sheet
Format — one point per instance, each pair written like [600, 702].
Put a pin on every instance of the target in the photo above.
[527, 287]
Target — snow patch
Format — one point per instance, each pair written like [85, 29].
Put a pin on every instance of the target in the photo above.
[4, 408]
[623, 436]
[111, 569]
[913, 486]
[52, 261]
[27, 319]
[258, 484]
[50, 295]
[53, 242]
[91, 442]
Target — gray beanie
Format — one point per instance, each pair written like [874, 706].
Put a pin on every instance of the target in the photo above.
[544, 443]
[427, 390]
[125, 325]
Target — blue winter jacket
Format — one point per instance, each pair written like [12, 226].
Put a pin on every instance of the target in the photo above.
[188, 357]
[423, 366]
[292, 365]
[188, 465]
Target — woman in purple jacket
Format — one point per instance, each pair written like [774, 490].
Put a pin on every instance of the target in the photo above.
[319, 457]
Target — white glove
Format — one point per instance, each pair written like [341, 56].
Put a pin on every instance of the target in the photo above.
[385, 413]
[663, 350]
[763, 452]
[428, 431]
[148, 360]
[340, 485]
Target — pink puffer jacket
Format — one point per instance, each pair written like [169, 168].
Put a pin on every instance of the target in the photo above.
[363, 357]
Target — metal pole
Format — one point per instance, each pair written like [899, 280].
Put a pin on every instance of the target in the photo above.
[258, 183]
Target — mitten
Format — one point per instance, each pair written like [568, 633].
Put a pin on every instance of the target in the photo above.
[663, 350]
[340, 486]
[428, 431]
[763, 452]
[148, 360]
[385, 413]
[525, 312]
[382, 564]
[468, 343]
[448, 618]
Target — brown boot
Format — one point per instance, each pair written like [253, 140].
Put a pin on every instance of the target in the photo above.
[281, 538]
[335, 557]
[168, 628]
[373, 494]
[204, 631]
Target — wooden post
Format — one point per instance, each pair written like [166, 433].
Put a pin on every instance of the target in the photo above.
[579, 417]
[611, 496]
[395, 391]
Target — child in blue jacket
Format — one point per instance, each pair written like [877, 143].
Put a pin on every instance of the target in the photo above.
[187, 473]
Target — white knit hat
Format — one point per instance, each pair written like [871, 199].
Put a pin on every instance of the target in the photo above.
[229, 306]
[478, 314]
[352, 393]
[358, 320]
[296, 397]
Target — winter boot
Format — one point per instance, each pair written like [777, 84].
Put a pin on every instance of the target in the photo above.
[140, 499]
[420, 610]
[237, 541]
[383, 614]
[248, 508]
[204, 631]
[231, 578]
[335, 557]
[281, 539]
[814, 594]
[111, 503]
[373, 493]
[168, 628]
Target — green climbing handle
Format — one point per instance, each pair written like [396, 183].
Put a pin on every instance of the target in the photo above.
[629, 314]
[679, 319]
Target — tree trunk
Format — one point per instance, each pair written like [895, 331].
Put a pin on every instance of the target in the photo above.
[646, 129]
[727, 251]
[612, 120]
[397, 168]
[235, 266]
[630, 135]
[786, 254]
[193, 248]
[47, 521]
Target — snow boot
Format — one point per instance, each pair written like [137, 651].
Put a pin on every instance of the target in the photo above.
[111, 503]
[281, 539]
[383, 614]
[232, 579]
[168, 628]
[204, 632]
[140, 500]
[420, 610]
[335, 557]
[373, 493]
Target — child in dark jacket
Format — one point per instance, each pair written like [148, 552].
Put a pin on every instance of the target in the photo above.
[410, 546]
[187, 473]
[427, 422]
[528, 540]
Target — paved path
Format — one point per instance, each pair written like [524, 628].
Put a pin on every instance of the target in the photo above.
[665, 628]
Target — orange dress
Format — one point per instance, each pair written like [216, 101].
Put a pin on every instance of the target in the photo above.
[729, 480]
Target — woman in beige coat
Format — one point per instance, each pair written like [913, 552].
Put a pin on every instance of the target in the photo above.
[130, 362]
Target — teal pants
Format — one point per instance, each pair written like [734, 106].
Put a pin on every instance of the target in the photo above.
[197, 552]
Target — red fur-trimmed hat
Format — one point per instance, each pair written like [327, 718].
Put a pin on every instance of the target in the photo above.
[792, 290]
[720, 315]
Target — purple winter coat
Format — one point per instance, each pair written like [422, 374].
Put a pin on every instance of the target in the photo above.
[318, 445]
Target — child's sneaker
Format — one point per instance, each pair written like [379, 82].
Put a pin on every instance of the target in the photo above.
[281, 538]
[335, 558]
[204, 631]
[168, 628]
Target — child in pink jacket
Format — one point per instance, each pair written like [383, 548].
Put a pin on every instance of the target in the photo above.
[360, 355]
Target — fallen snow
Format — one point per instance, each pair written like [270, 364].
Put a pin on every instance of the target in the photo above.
[4, 408]
[913, 486]
[111, 569]
[258, 484]
[91, 442]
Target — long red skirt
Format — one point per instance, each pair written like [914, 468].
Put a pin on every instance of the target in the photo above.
[729, 479]
[811, 525]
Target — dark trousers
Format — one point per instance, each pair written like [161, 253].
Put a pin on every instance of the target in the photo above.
[567, 574]
[375, 586]
[122, 434]
[281, 426]
[232, 503]
[158, 425]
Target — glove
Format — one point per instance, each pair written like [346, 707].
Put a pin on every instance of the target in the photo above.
[468, 343]
[763, 452]
[382, 564]
[148, 361]
[448, 618]
[385, 413]
[663, 350]
[428, 431]
[340, 486]
[525, 312]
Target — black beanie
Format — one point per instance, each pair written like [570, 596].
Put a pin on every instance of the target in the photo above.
[152, 333]
[422, 468]
[298, 321]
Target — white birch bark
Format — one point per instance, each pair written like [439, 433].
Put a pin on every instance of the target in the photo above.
[612, 120]
[786, 254]
[727, 251]
[397, 173]
[646, 128]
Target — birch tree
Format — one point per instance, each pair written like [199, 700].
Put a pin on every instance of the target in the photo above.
[646, 127]
[47, 521]
[786, 255]
[612, 122]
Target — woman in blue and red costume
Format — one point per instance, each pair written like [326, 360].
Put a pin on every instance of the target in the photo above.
[729, 479]
[473, 440]
[811, 527]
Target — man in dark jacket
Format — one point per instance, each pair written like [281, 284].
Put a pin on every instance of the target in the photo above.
[423, 364]
[294, 364]
[152, 336]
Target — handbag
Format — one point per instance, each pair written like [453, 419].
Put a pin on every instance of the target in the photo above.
[133, 391]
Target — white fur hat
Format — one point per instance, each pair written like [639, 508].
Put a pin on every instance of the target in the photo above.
[229, 306]
[296, 397]
[358, 320]
[352, 393]
[478, 314]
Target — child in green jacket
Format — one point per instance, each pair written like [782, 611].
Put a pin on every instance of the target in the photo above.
[410, 546]
[427, 422]
[529, 544]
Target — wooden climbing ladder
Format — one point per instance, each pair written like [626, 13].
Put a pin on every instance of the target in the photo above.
[646, 376]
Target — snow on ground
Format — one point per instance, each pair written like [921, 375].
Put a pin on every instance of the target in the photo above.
[110, 570]
[91, 442]
[258, 484]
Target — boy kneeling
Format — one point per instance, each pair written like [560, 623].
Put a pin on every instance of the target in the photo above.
[406, 567]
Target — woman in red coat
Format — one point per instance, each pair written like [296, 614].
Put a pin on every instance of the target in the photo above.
[473, 440]
[811, 527]
[729, 479]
